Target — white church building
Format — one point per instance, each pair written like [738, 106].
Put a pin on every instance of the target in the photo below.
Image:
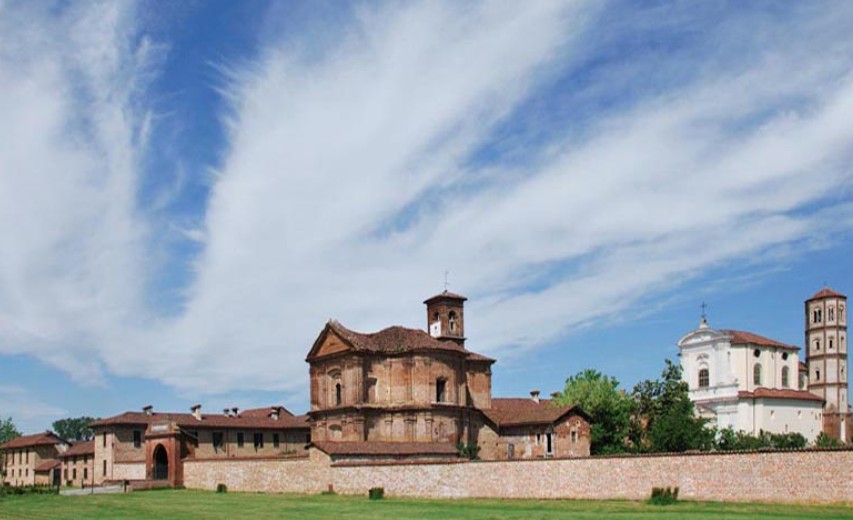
[752, 383]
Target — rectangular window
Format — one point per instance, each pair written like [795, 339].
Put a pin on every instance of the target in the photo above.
[73, 473]
[259, 441]
[85, 473]
[275, 440]
[217, 441]
[105, 468]
[549, 445]
[574, 436]
[240, 440]
[510, 451]
[104, 440]
[28, 455]
[137, 439]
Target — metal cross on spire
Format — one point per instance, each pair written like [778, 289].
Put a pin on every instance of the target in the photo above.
[446, 283]
[704, 307]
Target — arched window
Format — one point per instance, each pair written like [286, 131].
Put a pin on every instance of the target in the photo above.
[817, 374]
[785, 377]
[756, 374]
[704, 379]
[440, 390]
[830, 314]
[338, 394]
[451, 320]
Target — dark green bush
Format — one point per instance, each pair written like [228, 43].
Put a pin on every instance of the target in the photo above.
[664, 496]
[376, 493]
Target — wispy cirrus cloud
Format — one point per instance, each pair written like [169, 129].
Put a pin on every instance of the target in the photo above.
[561, 159]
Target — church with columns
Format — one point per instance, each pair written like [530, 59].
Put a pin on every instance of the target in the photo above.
[751, 383]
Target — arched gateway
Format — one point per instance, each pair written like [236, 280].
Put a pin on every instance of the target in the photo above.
[161, 463]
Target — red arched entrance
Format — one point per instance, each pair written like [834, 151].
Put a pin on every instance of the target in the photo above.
[161, 463]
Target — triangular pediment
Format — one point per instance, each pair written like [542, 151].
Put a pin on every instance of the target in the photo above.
[700, 336]
[327, 343]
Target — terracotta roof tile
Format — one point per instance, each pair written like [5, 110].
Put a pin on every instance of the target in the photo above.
[79, 448]
[393, 340]
[386, 448]
[188, 421]
[826, 292]
[523, 410]
[445, 295]
[39, 439]
[740, 336]
[265, 412]
[778, 393]
[47, 465]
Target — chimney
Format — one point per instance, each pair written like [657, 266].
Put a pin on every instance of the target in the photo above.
[147, 409]
[235, 412]
[196, 411]
[274, 413]
[226, 412]
[534, 396]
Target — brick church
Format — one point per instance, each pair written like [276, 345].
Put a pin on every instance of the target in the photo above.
[409, 392]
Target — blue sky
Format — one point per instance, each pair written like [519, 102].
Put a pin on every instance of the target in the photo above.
[189, 190]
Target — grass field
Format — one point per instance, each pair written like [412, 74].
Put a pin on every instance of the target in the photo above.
[181, 504]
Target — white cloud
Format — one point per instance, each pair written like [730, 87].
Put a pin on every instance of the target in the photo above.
[27, 412]
[348, 187]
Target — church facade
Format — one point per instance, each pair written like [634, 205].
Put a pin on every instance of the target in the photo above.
[751, 383]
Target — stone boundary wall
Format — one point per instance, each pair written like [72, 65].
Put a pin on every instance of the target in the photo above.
[283, 475]
[795, 476]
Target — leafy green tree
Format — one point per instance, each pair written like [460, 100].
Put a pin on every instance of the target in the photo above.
[8, 431]
[665, 418]
[74, 428]
[608, 407]
[827, 441]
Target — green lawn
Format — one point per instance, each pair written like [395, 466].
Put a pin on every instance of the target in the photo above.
[170, 504]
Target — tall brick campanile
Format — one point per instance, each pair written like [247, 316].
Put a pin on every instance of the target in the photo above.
[446, 317]
[826, 357]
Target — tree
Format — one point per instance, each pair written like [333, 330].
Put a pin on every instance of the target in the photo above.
[665, 418]
[74, 428]
[8, 431]
[608, 407]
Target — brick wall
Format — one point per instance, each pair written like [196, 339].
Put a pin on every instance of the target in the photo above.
[767, 476]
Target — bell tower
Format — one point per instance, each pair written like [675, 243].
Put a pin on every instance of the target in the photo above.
[446, 317]
[826, 357]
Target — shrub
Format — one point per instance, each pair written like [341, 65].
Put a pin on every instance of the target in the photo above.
[664, 496]
[468, 451]
[376, 493]
[826, 441]
[221, 488]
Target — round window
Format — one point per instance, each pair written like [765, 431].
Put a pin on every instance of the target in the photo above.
[756, 353]
[784, 356]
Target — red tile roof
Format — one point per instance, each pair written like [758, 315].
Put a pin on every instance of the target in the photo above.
[774, 393]
[28, 441]
[188, 421]
[79, 448]
[740, 337]
[47, 465]
[265, 412]
[445, 295]
[386, 448]
[803, 367]
[392, 340]
[826, 292]
[524, 410]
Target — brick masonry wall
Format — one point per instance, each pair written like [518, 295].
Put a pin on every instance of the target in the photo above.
[128, 471]
[768, 476]
[291, 475]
